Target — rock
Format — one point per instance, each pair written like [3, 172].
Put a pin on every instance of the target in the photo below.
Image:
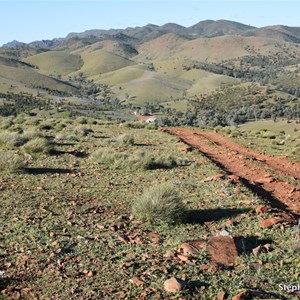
[183, 257]
[269, 222]
[222, 250]
[265, 179]
[174, 285]
[257, 250]
[261, 209]
[169, 254]
[241, 296]
[185, 149]
[221, 296]
[224, 232]
[136, 281]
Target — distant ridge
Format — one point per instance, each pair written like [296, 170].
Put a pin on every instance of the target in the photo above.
[141, 34]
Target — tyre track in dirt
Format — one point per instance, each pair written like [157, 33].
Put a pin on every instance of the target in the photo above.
[243, 162]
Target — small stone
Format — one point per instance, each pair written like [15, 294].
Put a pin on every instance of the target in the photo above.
[265, 179]
[187, 249]
[261, 209]
[224, 232]
[183, 257]
[269, 222]
[174, 285]
[136, 281]
[169, 254]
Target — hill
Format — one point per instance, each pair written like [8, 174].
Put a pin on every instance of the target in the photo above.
[158, 64]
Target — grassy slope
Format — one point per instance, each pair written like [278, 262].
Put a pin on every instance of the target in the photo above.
[147, 86]
[274, 138]
[101, 61]
[61, 231]
[31, 78]
[56, 62]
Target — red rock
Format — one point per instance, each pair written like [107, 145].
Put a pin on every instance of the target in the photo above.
[187, 249]
[269, 222]
[261, 209]
[185, 149]
[169, 254]
[265, 179]
[136, 281]
[257, 250]
[183, 257]
[174, 285]
[241, 296]
[221, 296]
[222, 250]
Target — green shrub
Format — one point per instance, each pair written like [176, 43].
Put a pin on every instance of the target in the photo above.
[11, 162]
[38, 146]
[159, 204]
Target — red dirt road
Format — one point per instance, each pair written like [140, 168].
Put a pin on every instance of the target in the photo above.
[265, 175]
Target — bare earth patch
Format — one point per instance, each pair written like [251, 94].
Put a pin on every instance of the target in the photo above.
[253, 169]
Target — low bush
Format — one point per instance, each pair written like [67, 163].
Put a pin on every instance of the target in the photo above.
[159, 204]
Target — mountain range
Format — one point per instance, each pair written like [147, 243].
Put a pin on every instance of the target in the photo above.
[161, 64]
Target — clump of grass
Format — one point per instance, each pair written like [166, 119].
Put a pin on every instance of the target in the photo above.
[11, 162]
[107, 156]
[152, 126]
[60, 126]
[45, 126]
[79, 130]
[140, 160]
[136, 125]
[269, 135]
[12, 139]
[124, 139]
[159, 204]
[38, 146]
[81, 120]
[6, 123]
[66, 138]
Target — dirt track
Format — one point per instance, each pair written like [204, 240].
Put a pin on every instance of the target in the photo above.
[265, 175]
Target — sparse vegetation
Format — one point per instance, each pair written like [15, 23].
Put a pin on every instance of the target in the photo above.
[88, 194]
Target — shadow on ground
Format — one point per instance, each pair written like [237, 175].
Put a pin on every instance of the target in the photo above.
[36, 171]
[208, 215]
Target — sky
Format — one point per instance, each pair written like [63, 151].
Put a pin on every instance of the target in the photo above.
[27, 21]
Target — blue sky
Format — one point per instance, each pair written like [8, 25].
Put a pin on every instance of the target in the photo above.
[46, 19]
